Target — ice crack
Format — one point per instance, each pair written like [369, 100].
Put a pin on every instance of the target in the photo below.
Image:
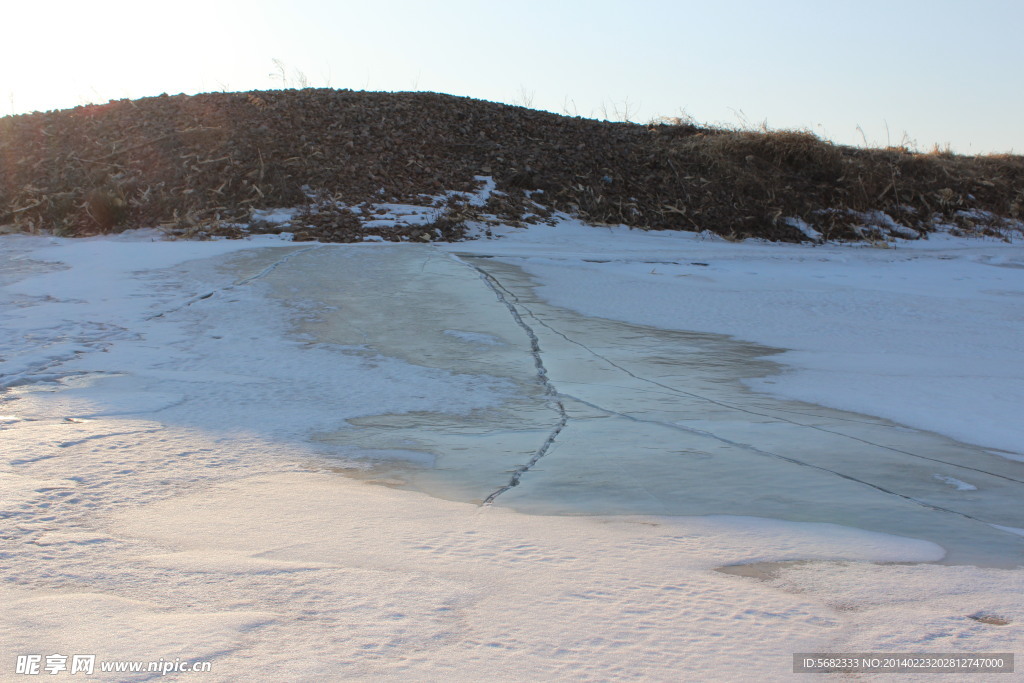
[530, 322]
[771, 454]
[542, 377]
[244, 281]
[729, 406]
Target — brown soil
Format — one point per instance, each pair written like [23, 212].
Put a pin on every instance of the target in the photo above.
[191, 163]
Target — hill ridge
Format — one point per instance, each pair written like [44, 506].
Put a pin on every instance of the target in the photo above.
[206, 161]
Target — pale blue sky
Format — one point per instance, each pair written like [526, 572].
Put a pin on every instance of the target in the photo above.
[918, 71]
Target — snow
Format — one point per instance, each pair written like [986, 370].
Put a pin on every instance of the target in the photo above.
[956, 483]
[273, 216]
[802, 225]
[222, 451]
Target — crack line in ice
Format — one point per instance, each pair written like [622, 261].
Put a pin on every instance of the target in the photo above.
[504, 295]
[867, 421]
[273, 266]
[771, 454]
[244, 281]
[542, 376]
[681, 392]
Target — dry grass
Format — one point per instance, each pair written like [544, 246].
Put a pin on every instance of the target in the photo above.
[205, 161]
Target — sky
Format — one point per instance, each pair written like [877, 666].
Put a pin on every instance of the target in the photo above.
[917, 73]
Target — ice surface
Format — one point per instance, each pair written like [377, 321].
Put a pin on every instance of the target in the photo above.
[657, 422]
[926, 333]
[170, 449]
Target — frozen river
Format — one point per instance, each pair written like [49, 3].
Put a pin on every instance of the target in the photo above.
[412, 462]
[605, 417]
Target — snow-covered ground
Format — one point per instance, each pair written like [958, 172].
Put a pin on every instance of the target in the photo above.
[221, 452]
